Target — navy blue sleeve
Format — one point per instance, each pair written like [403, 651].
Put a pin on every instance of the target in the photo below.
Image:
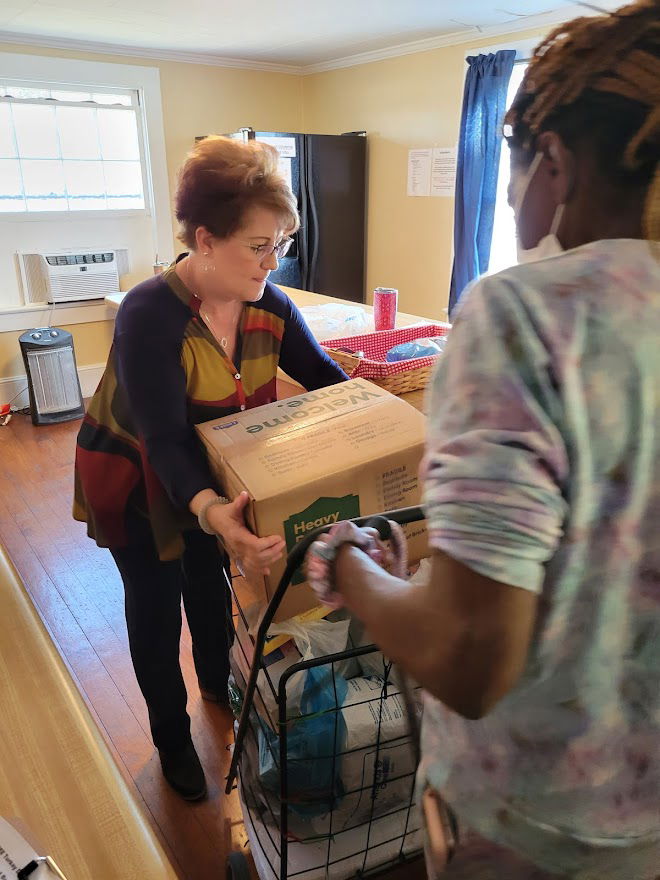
[301, 357]
[147, 343]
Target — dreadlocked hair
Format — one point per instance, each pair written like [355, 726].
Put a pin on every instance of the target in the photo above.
[596, 80]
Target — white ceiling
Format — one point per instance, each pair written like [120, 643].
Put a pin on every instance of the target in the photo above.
[300, 34]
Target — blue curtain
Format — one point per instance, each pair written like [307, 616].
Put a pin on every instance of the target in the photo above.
[480, 145]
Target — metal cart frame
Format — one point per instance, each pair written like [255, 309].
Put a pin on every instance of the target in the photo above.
[237, 868]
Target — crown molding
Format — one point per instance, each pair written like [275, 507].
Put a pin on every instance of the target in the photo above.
[454, 38]
[425, 45]
[138, 52]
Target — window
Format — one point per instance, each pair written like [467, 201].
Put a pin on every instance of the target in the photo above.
[117, 199]
[503, 245]
[63, 149]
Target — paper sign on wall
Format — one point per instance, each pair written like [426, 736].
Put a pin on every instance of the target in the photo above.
[285, 146]
[419, 172]
[432, 172]
[443, 171]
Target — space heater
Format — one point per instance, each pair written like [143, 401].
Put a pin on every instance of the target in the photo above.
[50, 364]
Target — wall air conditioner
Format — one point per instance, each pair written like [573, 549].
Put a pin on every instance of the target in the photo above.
[71, 275]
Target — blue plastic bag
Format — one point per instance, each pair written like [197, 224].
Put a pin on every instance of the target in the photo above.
[314, 775]
[418, 348]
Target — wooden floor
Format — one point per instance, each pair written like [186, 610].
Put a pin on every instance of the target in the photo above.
[78, 592]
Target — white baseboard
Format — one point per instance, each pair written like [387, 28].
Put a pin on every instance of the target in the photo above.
[89, 377]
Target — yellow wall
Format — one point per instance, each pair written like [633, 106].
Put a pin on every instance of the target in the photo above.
[410, 101]
[197, 99]
[406, 102]
[403, 103]
[10, 357]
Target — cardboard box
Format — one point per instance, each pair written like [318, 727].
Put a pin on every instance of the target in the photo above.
[343, 451]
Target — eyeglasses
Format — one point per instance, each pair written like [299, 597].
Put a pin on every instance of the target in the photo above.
[261, 251]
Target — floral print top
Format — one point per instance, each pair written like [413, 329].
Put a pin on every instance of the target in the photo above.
[543, 472]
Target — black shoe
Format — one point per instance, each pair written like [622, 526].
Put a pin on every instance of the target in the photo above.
[220, 696]
[184, 773]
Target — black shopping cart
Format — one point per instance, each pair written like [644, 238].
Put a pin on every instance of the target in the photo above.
[326, 748]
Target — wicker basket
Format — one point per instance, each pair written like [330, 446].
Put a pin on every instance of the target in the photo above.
[397, 378]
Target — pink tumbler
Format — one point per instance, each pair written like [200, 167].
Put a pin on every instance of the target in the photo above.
[385, 299]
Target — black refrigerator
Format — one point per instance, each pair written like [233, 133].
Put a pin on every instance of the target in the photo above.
[328, 177]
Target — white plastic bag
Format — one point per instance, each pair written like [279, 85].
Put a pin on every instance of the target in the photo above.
[317, 638]
[378, 759]
[423, 573]
[334, 320]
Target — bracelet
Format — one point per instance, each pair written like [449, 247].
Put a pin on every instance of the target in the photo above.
[322, 556]
[202, 518]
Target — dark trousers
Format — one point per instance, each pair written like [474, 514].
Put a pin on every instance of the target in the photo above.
[153, 591]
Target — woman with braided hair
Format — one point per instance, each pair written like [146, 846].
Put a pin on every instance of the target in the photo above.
[537, 638]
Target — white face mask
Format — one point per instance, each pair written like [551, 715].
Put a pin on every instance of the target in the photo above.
[549, 245]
